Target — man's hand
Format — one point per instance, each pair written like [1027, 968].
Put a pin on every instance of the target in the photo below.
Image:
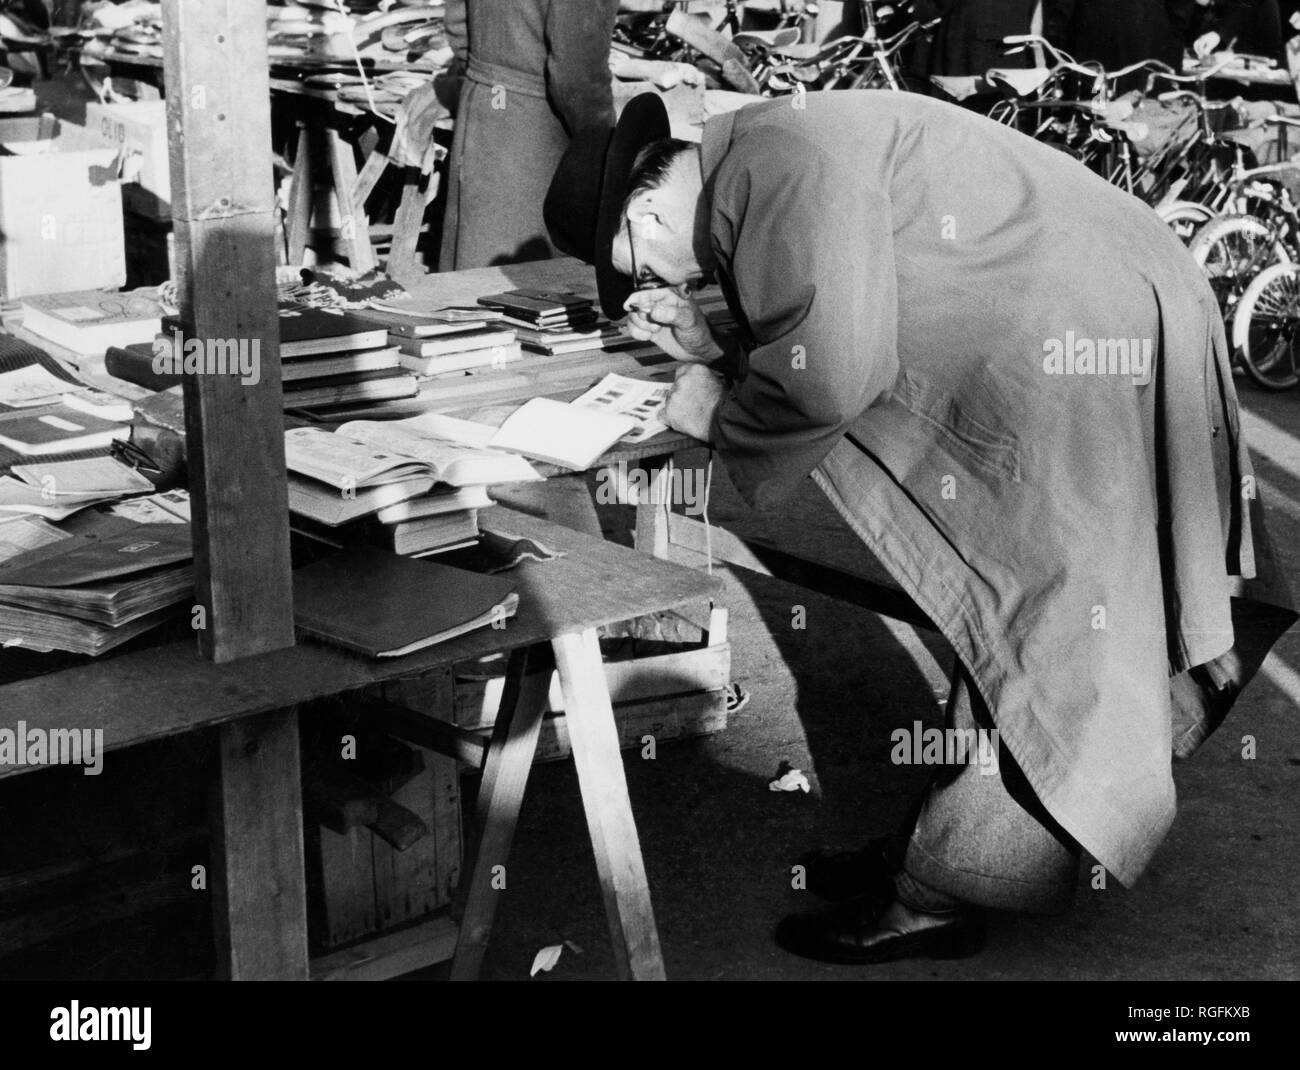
[670, 318]
[694, 398]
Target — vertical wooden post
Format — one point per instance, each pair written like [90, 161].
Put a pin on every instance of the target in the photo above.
[219, 133]
[259, 894]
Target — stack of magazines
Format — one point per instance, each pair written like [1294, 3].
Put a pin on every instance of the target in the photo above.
[90, 585]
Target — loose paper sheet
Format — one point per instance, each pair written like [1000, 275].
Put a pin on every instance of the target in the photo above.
[640, 399]
[31, 386]
[22, 533]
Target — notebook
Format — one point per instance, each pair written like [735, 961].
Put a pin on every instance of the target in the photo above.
[58, 429]
[379, 604]
[317, 330]
[89, 321]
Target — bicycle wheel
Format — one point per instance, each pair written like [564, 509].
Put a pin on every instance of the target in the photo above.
[1232, 250]
[1266, 333]
[1185, 218]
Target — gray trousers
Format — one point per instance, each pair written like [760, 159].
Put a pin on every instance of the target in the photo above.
[984, 838]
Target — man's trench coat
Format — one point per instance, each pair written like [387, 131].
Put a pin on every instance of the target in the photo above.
[918, 290]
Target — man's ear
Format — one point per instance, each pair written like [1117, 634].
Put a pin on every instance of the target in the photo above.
[643, 214]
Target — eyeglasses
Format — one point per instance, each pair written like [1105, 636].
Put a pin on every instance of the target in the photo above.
[130, 454]
[642, 278]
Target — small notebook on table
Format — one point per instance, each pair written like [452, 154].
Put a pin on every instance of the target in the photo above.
[379, 604]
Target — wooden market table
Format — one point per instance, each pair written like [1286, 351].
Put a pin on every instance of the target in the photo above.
[256, 820]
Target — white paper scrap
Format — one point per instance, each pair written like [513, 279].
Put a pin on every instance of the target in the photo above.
[545, 960]
[792, 781]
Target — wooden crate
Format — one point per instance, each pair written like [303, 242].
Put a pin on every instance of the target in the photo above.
[368, 887]
[668, 696]
[371, 895]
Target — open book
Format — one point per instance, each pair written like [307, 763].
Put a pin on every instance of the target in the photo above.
[569, 434]
[369, 453]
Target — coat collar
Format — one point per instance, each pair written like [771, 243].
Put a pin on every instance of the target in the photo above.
[714, 143]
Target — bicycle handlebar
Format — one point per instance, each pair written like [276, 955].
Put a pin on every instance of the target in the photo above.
[1193, 79]
[1201, 103]
[1155, 66]
[1019, 40]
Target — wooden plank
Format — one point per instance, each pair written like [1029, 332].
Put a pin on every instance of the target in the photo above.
[347, 885]
[668, 626]
[767, 560]
[447, 840]
[475, 702]
[356, 225]
[652, 515]
[223, 207]
[258, 886]
[406, 225]
[505, 775]
[430, 698]
[442, 739]
[390, 955]
[614, 840]
[411, 884]
[406, 882]
[300, 199]
[155, 693]
[115, 898]
[369, 177]
[666, 719]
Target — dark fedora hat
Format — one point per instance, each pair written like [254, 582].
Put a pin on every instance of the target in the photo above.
[584, 205]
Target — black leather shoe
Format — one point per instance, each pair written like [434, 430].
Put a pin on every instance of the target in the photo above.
[839, 875]
[850, 933]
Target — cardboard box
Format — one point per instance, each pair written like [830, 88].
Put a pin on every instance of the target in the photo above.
[139, 130]
[60, 210]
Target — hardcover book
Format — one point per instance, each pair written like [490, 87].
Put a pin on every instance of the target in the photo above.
[379, 604]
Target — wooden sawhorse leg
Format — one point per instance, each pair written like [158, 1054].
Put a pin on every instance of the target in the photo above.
[298, 226]
[506, 767]
[599, 764]
[258, 882]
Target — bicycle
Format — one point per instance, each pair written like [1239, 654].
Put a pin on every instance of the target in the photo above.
[869, 61]
[1266, 331]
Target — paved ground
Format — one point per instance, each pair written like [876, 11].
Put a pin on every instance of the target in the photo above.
[1218, 902]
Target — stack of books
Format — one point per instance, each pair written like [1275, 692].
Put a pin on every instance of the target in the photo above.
[88, 322]
[58, 489]
[328, 359]
[89, 587]
[555, 322]
[387, 484]
[446, 340]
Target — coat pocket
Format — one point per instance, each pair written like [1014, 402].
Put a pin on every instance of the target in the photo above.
[978, 440]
